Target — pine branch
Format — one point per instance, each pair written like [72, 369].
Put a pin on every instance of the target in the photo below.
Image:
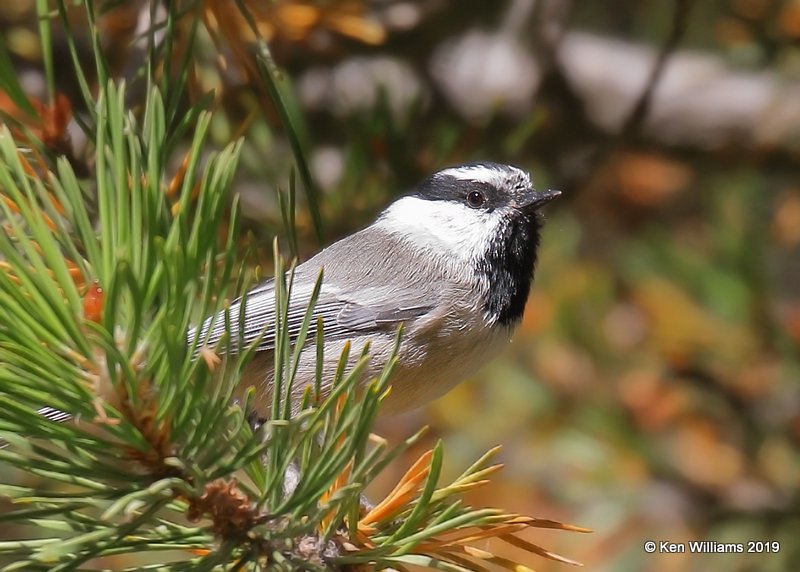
[102, 279]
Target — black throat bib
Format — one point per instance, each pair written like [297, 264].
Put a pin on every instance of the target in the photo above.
[508, 265]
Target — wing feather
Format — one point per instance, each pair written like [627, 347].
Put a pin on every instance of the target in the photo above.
[369, 310]
[364, 289]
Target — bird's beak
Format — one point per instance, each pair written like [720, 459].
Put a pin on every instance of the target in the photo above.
[540, 198]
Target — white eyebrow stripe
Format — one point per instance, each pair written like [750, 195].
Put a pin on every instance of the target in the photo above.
[489, 175]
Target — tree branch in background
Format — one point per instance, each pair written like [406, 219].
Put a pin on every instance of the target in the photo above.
[608, 145]
[680, 20]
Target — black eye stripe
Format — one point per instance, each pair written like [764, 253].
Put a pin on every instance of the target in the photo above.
[447, 188]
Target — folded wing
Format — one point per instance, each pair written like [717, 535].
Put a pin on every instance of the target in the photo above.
[344, 316]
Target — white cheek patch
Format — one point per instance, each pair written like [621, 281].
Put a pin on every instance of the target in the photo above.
[456, 228]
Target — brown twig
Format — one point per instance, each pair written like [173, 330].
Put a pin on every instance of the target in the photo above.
[549, 25]
[604, 147]
[680, 21]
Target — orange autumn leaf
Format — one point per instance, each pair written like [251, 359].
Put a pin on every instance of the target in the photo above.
[405, 490]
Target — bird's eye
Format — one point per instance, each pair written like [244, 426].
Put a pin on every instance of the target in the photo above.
[475, 199]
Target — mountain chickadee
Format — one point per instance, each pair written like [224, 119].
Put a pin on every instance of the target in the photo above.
[453, 261]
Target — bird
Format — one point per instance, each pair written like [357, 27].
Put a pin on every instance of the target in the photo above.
[452, 261]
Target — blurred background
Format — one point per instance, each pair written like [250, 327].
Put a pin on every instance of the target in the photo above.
[653, 389]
